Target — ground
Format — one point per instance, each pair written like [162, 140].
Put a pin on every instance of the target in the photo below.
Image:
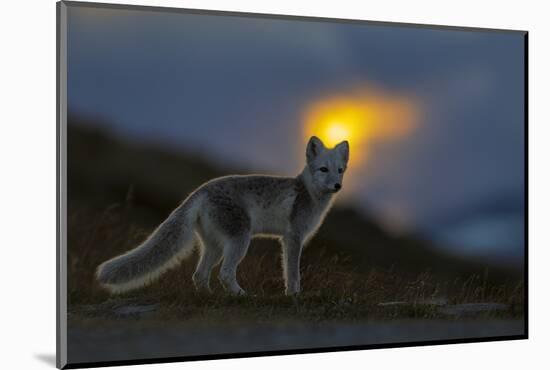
[338, 307]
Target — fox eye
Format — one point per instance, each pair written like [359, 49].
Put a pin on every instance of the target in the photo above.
[340, 170]
[323, 169]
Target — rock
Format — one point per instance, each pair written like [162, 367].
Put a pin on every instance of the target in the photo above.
[465, 309]
[426, 302]
[471, 308]
[116, 308]
[134, 310]
[393, 304]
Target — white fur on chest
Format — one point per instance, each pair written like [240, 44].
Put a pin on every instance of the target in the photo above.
[316, 220]
[275, 221]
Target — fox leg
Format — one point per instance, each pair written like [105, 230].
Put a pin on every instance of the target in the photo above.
[211, 254]
[229, 224]
[234, 251]
[292, 251]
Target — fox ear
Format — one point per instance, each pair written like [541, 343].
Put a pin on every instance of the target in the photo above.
[314, 147]
[343, 149]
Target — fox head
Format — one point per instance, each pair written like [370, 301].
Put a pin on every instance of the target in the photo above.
[326, 166]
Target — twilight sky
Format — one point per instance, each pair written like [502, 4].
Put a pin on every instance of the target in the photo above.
[235, 89]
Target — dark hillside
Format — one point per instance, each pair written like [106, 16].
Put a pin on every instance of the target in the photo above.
[144, 183]
[119, 191]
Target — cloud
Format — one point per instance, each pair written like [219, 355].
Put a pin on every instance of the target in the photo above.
[228, 87]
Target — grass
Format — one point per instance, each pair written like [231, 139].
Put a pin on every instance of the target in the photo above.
[334, 287]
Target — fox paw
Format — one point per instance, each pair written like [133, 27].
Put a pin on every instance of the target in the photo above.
[239, 292]
[292, 292]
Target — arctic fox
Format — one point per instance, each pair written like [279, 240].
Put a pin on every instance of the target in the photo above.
[223, 214]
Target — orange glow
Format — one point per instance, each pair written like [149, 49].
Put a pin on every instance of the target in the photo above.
[360, 117]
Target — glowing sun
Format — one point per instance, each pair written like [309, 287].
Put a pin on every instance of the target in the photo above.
[360, 117]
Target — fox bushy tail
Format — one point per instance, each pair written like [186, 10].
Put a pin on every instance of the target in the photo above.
[164, 248]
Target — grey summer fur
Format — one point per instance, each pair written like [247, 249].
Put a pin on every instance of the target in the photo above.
[222, 216]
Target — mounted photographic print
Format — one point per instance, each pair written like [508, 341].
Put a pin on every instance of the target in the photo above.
[235, 184]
